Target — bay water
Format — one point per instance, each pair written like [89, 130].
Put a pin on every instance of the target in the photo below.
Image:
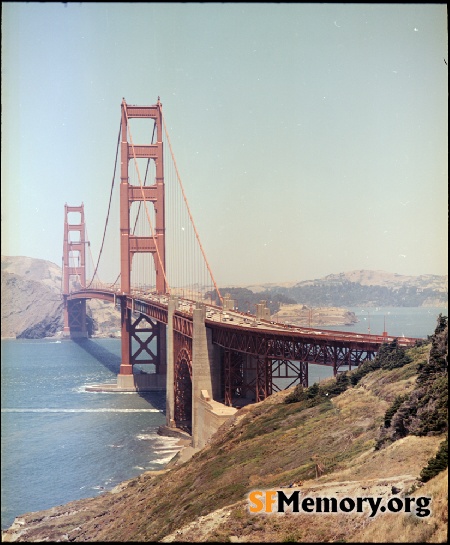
[60, 442]
[418, 322]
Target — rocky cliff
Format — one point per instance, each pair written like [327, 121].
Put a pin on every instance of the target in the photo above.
[32, 307]
[31, 301]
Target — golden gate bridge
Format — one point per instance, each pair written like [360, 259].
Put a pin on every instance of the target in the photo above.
[206, 355]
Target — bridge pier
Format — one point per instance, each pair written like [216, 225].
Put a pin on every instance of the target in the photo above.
[170, 392]
[75, 319]
[207, 414]
[127, 379]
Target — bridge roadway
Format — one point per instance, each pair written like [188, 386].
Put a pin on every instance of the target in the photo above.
[210, 360]
[156, 307]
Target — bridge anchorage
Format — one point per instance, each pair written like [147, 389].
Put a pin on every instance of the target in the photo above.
[209, 358]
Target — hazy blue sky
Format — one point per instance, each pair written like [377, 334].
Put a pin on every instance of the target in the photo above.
[311, 138]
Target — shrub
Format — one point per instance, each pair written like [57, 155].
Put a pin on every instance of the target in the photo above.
[391, 355]
[393, 409]
[298, 394]
[436, 464]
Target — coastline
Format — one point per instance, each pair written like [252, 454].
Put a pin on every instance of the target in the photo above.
[184, 440]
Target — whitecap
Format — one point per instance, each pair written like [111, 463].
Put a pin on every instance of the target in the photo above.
[161, 461]
[146, 436]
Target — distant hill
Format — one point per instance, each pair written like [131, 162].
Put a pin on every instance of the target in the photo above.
[30, 297]
[32, 306]
[361, 287]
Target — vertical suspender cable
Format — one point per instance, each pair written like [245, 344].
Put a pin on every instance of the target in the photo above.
[189, 211]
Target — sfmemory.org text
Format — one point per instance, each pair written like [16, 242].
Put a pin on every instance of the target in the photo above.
[276, 501]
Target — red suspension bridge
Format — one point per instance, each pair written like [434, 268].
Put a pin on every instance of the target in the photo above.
[175, 323]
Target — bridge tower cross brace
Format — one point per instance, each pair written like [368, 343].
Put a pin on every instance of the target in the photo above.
[129, 243]
[74, 311]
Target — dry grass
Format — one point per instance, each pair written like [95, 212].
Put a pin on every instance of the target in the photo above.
[406, 456]
[402, 528]
[387, 385]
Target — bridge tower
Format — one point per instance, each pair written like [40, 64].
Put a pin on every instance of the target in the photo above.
[74, 265]
[131, 244]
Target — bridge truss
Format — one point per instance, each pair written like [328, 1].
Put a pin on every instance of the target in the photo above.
[255, 361]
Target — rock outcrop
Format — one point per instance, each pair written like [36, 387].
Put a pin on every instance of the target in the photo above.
[32, 306]
[31, 298]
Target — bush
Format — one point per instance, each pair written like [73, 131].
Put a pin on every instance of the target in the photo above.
[436, 464]
[425, 410]
[297, 395]
[393, 409]
[392, 356]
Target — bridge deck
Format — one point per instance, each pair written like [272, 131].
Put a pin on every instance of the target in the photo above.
[156, 307]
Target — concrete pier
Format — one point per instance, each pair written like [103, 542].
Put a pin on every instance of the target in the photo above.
[207, 415]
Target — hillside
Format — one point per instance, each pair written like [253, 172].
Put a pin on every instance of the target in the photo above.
[30, 297]
[32, 306]
[362, 287]
[323, 441]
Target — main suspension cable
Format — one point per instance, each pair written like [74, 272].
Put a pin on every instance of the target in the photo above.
[109, 207]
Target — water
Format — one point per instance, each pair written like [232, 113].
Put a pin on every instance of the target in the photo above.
[399, 321]
[60, 443]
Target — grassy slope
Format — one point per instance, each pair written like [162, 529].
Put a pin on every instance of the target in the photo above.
[268, 445]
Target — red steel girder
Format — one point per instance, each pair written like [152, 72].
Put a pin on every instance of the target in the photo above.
[321, 351]
[233, 376]
[297, 370]
[138, 193]
[142, 151]
[136, 330]
[181, 342]
[183, 389]
[183, 325]
[263, 378]
[154, 310]
[142, 244]
[151, 112]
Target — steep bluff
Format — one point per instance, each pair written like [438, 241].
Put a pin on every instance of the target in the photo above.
[31, 301]
[32, 306]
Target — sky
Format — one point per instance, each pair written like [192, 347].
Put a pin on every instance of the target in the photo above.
[311, 139]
